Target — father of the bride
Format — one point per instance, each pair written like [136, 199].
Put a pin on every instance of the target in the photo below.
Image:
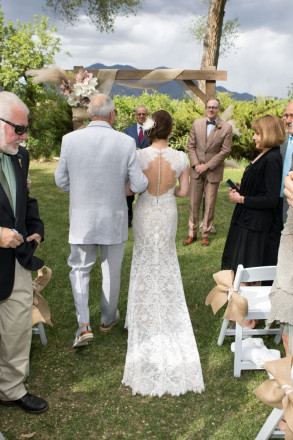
[95, 165]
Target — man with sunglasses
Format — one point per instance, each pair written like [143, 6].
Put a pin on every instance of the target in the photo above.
[20, 227]
[209, 144]
[137, 133]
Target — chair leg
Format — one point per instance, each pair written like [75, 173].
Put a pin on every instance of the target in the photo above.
[278, 337]
[223, 331]
[238, 350]
[42, 333]
[270, 424]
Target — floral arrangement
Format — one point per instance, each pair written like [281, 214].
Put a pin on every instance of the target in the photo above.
[79, 88]
[218, 126]
[81, 92]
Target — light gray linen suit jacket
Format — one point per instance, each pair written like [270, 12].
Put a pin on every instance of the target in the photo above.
[283, 149]
[94, 166]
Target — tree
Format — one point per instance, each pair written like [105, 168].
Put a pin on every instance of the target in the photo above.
[33, 46]
[216, 33]
[24, 46]
[101, 13]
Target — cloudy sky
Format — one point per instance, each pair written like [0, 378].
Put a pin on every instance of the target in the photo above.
[158, 36]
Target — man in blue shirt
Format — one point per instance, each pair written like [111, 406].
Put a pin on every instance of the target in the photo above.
[287, 153]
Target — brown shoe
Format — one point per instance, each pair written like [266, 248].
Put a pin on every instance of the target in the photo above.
[189, 240]
[205, 241]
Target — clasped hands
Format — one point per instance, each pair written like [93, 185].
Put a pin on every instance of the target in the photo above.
[12, 239]
[201, 168]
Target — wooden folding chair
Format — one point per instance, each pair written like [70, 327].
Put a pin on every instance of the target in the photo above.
[259, 306]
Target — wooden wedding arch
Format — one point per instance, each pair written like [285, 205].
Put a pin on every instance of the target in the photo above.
[150, 79]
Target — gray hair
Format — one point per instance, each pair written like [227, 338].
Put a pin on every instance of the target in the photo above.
[100, 106]
[9, 100]
[139, 106]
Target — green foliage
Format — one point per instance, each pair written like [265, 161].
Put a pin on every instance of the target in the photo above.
[100, 12]
[185, 111]
[52, 119]
[33, 46]
[25, 46]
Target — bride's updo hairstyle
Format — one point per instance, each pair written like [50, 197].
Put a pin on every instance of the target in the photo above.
[162, 127]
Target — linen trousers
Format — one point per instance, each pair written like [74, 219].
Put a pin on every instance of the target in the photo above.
[199, 187]
[15, 335]
[81, 261]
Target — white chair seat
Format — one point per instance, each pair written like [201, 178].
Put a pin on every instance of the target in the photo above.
[259, 307]
[258, 299]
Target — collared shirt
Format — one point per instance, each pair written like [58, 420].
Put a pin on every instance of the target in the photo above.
[287, 162]
[210, 126]
[10, 177]
[138, 128]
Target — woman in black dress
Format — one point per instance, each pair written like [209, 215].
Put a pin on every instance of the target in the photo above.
[255, 229]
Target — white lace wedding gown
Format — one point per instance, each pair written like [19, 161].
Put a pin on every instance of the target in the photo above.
[162, 356]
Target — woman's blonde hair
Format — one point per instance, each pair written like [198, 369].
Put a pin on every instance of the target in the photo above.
[271, 129]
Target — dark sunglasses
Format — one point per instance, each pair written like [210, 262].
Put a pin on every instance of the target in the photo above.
[18, 129]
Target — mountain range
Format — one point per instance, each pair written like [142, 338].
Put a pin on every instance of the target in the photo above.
[171, 88]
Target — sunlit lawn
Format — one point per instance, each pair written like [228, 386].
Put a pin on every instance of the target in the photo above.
[83, 387]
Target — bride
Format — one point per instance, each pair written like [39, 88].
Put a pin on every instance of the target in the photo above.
[162, 356]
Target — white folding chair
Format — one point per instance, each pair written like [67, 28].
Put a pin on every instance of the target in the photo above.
[40, 330]
[268, 430]
[1, 437]
[259, 306]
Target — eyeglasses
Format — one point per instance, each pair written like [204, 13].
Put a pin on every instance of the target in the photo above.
[211, 108]
[18, 129]
[141, 114]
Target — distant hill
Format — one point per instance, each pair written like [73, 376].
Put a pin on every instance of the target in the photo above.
[172, 88]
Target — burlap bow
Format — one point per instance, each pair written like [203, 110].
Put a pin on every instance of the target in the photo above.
[41, 309]
[277, 392]
[237, 307]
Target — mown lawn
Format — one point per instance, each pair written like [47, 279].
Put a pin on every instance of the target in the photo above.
[83, 387]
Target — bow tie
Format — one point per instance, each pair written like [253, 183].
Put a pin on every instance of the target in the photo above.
[211, 122]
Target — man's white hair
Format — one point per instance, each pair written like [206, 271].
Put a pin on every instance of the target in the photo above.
[8, 100]
[100, 106]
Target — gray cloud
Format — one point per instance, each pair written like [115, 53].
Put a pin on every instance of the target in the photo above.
[158, 36]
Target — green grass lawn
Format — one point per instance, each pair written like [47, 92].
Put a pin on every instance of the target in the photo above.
[83, 386]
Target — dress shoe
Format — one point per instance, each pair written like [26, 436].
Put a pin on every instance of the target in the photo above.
[83, 336]
[106, 328]
[29, 403]
[205, 241]
[189, 240]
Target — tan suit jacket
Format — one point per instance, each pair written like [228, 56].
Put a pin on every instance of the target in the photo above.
[212, 150]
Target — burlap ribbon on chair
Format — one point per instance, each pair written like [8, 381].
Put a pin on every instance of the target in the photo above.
[278, 392]
[237, 307]
[41, 309]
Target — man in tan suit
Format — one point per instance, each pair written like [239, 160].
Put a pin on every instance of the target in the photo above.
[209, 144]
